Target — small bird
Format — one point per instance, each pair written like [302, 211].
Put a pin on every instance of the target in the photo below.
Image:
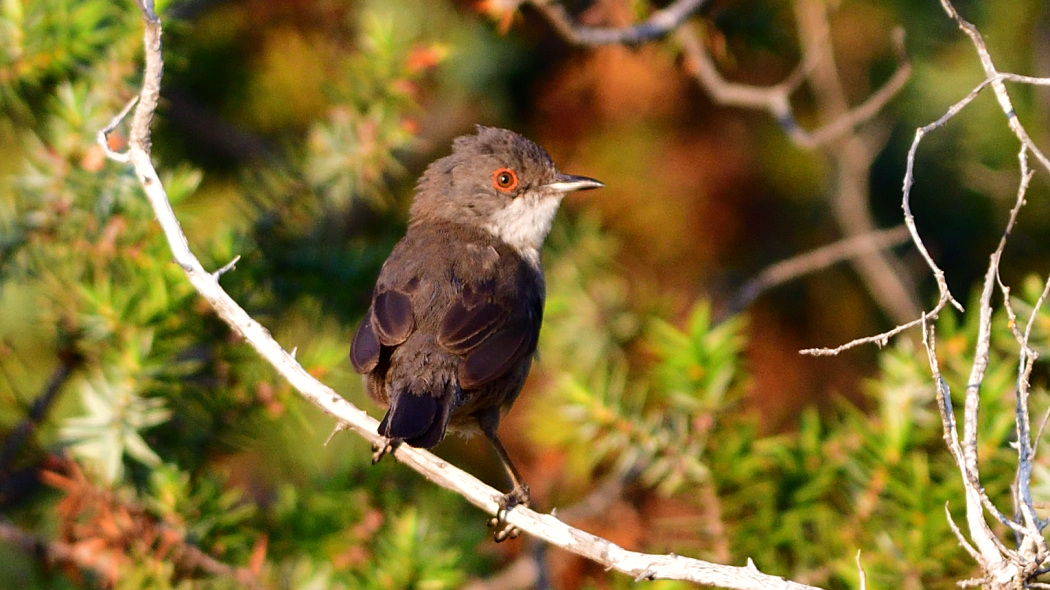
[452, 328]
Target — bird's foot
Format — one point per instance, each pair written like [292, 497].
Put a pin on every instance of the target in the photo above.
[519, 496]
[380, 449]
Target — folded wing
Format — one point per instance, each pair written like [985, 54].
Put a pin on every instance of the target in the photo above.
[490, 330]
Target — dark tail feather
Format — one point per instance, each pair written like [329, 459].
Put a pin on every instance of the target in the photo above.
[418, 420]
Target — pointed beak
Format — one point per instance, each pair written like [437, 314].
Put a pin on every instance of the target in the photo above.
[566, 183]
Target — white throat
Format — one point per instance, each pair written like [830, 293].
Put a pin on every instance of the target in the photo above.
[525, 223]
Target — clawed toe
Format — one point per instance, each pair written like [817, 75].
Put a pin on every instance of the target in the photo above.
[519, 496]
[507, 532]
[381, 449]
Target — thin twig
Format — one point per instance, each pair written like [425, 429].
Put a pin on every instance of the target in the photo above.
[1031, 539]
[1002, 567]
[971, 482]
[227, 267]
[909, 220]
[776, 99]
[52, 551]
[103, 133]
[993, 75]
[852, 157]
[860, 573]
[17, 437]
[965, 544]
[658, 25]
[879, 340]
[880, 271]
[815, 260]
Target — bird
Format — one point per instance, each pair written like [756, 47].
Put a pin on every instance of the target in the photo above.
[454, 320]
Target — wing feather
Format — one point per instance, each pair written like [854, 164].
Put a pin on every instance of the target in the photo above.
[490, 330]
[364, 350]
[498, 355]
[393, 317]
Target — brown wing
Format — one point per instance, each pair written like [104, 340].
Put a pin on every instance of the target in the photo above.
[364, 350]
[388, 322]
[492, 329]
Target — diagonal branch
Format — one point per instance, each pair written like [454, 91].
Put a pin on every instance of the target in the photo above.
[543, 526]
[813, 261]
[12, 444]
[51, 551]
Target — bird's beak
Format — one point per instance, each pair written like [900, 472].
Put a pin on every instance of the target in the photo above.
[566, 183]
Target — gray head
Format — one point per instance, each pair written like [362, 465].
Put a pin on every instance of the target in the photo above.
[499, 180]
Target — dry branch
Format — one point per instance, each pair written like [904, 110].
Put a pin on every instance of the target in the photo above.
[813, 261]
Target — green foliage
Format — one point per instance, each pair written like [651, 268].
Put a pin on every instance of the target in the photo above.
[412, 555]
[654, 423]
[698, 366]
[213, 516]
[111, 427]
[42, 41]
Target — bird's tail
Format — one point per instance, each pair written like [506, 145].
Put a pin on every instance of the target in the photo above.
[419, 419]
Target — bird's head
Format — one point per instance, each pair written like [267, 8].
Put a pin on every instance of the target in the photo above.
[498, 180]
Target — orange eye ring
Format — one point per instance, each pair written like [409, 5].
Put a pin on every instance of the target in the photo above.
[504, 179]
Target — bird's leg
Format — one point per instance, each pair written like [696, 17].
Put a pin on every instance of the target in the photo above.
[380, 449]
[518, 496]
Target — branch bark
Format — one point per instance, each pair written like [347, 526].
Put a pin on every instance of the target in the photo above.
[544, 526]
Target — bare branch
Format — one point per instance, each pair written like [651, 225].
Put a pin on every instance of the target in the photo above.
[979, 531]
[879, 340]
[909, 220]
[53, 551]
[866, 110]
[996, 80]
[944, 395]
[543, 526]
[959, 536]
[852, 157]
[776, 99]
[815, 260]
[971, 482]
[103, 134]
[227, 267]
[850, 149]
[658, 25]
[1031, 539]
[14, 440]
[1002, 567]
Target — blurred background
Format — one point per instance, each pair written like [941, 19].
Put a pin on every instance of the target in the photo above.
[143, 445]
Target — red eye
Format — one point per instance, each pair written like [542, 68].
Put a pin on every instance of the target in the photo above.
[504, 179]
